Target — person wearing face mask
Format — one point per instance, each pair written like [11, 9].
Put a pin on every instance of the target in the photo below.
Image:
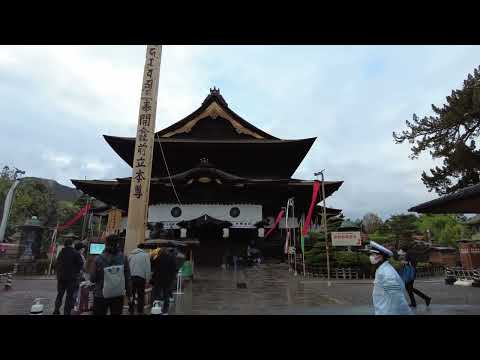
[388, 290]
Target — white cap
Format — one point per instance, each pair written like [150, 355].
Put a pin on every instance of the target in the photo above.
[379, 249]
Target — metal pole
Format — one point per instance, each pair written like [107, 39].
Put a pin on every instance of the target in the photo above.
[303, 248]
[325, 225]
[294, 239]
[287, 238]
[54, 241]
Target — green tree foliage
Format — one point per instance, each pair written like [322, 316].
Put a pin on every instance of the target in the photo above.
[349, 259]
[35, 199]
[399, 229]
[451, 135]
[444, 229]
[382, 235]
[402, 228]
[32, 199]
[316, 255]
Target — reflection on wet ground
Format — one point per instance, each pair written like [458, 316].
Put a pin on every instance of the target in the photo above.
[271, 289]
[268, 289]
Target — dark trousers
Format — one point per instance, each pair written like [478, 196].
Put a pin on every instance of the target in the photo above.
[411, 291]
[68, 286]
[162, 292]
[101, 306]
[138, 287]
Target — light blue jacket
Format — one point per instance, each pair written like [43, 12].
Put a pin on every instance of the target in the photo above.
[388, 292]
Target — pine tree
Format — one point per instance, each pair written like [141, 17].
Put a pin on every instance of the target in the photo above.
[449, 135]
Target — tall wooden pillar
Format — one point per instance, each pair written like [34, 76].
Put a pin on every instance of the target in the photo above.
[144, 144]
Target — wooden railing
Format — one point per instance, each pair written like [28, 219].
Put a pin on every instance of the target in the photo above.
[356, 273]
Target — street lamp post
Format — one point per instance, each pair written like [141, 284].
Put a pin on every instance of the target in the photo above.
[324, 216]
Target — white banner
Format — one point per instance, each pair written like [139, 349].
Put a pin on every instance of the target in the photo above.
[6, 209]
[347, 238]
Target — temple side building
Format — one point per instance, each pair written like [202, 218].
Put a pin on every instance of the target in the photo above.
[216, 178]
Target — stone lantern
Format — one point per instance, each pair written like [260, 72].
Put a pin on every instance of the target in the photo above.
[31, 239]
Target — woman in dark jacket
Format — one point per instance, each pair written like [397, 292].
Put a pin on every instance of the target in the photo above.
[164, 270]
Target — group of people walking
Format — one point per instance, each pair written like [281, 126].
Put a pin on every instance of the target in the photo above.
[115, 275]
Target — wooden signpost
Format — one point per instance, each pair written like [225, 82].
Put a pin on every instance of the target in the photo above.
[144, 144]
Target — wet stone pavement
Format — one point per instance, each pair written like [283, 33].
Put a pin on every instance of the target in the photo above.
[272, 290]
[266, 290]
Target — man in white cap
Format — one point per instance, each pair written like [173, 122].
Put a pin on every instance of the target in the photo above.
[388, 290]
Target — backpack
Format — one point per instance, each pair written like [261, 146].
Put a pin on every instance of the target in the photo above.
[408, 273]
[113, 281]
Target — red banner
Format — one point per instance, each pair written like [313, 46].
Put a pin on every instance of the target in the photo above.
[83, 211]
[316, 188]
[277, 220]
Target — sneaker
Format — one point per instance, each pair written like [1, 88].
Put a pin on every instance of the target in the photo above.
[412, 305]
[56, 312]
[428, 301]
[172, 299]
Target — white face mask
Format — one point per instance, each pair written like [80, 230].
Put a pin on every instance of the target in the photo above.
[375, 259]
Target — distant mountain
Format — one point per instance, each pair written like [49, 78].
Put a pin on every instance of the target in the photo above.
[61, 192]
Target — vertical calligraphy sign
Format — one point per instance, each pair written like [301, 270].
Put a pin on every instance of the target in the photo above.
[144, 144]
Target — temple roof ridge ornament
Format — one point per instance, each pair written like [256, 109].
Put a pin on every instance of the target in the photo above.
[215, 93]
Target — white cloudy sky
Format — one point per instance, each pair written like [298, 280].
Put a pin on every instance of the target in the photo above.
[57, 101]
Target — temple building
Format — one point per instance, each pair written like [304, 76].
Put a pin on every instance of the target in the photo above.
[215, 178]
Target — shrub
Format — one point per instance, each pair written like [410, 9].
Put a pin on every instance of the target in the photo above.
[316, 259]
[346, 259]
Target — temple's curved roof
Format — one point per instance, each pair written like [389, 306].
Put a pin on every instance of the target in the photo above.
[216, 132]
[270, 192]
[214, 108]
[249, 158]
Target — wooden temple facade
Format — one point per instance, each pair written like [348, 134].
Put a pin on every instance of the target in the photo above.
[230, 178]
